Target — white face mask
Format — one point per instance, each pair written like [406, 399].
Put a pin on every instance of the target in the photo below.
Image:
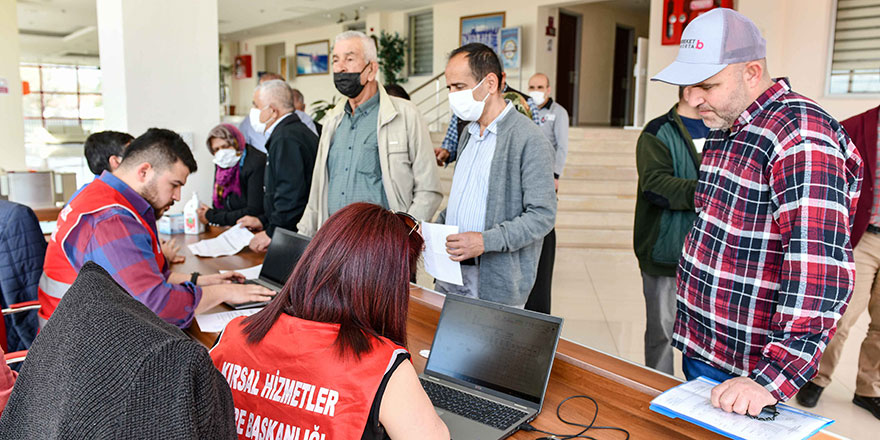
[537, 96]
[464, 106]
[259, 127]
[226, 158]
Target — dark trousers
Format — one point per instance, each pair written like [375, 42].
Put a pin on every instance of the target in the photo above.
[539, 299]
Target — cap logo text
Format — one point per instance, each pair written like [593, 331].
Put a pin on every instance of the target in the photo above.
[691, 44]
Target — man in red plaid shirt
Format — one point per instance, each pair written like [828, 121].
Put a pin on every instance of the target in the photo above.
[768, 269]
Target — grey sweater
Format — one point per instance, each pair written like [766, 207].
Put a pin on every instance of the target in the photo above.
[520, 209]
[106, 367]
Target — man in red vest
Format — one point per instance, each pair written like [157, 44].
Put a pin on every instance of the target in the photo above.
[113, 223]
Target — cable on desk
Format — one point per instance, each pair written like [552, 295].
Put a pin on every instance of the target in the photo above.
[591, 425]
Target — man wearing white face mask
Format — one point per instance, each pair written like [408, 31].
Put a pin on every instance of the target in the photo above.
[374, 148]
[251, 136]
[553, 120]
[502, 196]
[291, 150]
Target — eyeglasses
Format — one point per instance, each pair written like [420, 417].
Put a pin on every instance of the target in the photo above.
[408, 220]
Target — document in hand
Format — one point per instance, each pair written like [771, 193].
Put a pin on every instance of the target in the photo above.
[690, 401]
[437, 262]
[250, 273]
[230, 242]
[216, 322]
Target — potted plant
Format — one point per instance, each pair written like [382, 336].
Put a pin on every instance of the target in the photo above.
[392, 52]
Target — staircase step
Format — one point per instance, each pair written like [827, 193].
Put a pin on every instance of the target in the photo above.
[594, 238]
[602, 172]
[594, 220]
[576, 158]
[593, 202]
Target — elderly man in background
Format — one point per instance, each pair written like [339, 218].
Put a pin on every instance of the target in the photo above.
[299, 105]
[374, 149]
[252, 136]
[291, 150]
[553, 120]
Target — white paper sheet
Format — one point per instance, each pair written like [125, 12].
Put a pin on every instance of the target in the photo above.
[230, 242]
[250, 273]
[437, 262]
[216, 322]
[691, 402]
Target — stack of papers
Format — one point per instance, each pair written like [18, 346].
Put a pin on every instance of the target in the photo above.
[690, 401]
[216, 322]
[437, 262]
[230, 242]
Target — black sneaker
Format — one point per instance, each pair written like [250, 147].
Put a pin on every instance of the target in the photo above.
[809, 395]
[869, 403]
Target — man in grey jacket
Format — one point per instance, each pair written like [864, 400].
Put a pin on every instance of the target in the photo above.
[502, 196]
[374, 148]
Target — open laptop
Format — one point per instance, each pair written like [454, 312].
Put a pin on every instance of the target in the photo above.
[489, 366]
[285, 250]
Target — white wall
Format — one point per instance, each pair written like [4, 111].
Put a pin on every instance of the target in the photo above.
[531, 15]
[797, 34]
[598, 26]
[176, 87]
[11, 121]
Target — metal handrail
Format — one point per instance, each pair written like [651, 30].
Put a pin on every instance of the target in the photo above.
[426, 83]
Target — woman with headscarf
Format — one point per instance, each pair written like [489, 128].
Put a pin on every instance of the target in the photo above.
[238, 178]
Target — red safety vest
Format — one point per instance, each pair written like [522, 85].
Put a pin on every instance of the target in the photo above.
[58, 272]
[293, 383]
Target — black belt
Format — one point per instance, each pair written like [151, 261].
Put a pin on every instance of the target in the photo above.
[871, 228]
[471, 262]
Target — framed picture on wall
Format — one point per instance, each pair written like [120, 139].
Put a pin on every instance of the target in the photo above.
[483, 28]
[313, 58]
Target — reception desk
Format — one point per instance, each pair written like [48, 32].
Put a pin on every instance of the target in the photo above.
[623, 389]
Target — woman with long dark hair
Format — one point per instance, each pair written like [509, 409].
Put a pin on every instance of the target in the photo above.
[238, 178]
[327, 356]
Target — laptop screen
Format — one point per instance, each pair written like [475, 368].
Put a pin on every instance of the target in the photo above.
[284, 252]
[496, 347]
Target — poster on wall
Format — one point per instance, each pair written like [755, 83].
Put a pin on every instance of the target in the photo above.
[678, 13]
[242, 67]
[313, 58]
[483, 28]
[511, 47]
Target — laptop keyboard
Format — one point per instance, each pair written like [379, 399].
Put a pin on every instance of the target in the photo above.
[472, 407]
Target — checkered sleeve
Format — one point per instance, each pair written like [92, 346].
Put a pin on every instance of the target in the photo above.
[450, 141]
[533, 108]
[811, 197]
[123, 247]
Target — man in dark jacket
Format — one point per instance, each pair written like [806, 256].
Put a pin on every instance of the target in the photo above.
[21, 264]
[292, 149]
[668, 160]
[865, 240]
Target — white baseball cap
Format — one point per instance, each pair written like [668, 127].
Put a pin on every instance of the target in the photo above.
[709, 43]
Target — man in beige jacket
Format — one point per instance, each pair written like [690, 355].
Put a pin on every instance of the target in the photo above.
[375, 148]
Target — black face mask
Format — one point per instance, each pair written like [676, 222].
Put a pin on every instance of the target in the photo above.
[349, 83]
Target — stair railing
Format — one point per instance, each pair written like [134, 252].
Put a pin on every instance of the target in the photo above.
[431, 100]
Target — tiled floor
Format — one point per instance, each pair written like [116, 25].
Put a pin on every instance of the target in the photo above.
[599, 293]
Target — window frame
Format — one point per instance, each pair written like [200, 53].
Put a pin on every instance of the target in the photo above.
[832, 34]
[410, 61]
[42, 93]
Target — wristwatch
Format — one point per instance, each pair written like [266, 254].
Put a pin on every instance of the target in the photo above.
[195, 278]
